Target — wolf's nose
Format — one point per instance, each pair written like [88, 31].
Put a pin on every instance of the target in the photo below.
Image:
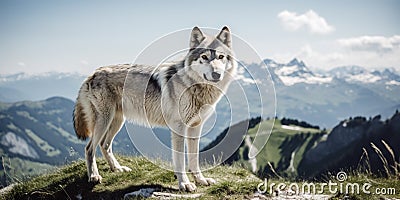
[215, 75]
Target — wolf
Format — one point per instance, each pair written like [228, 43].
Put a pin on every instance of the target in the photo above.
[180, 95]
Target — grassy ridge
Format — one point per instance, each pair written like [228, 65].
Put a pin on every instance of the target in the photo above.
[283, 141]
[70, 182]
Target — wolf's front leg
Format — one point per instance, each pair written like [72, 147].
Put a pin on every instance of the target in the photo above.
[193, 138]
[178, 160]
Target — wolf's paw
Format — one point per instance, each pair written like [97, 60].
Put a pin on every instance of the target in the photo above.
[187, 186]
[122, 169]
[205, 181]
[95, 179]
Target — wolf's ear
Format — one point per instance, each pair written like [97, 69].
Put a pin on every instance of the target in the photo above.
[225, 36]
[196, 37]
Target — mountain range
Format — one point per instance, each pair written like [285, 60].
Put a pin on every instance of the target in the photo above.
[300, 92]
[336, 94]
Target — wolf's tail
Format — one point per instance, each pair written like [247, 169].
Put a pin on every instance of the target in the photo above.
[83, 113]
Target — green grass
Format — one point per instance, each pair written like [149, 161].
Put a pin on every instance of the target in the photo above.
[44, 145]
[70, 137]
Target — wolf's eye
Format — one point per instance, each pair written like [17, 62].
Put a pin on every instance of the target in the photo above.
[221, 57]
[204, 57]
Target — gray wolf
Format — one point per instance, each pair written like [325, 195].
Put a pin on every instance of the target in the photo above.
[180, 95]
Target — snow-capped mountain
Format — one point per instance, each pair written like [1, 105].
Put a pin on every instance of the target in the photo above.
[361, 75]
[392, 76]
[46, 75]
[22, 86]
[295, 72]
[346, 71]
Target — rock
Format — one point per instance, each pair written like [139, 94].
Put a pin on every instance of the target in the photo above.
[151, 192]
[144, 192]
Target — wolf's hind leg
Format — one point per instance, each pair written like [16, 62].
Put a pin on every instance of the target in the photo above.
[100, 128]
[106, 143]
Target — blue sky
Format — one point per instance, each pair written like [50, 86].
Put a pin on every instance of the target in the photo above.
[79, 36]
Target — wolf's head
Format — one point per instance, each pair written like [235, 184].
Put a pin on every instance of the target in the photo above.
[210, 57]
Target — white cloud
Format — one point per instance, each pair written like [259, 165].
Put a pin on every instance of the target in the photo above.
[310, 20]
[379, 44]
[22, 64]
[322, 60]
